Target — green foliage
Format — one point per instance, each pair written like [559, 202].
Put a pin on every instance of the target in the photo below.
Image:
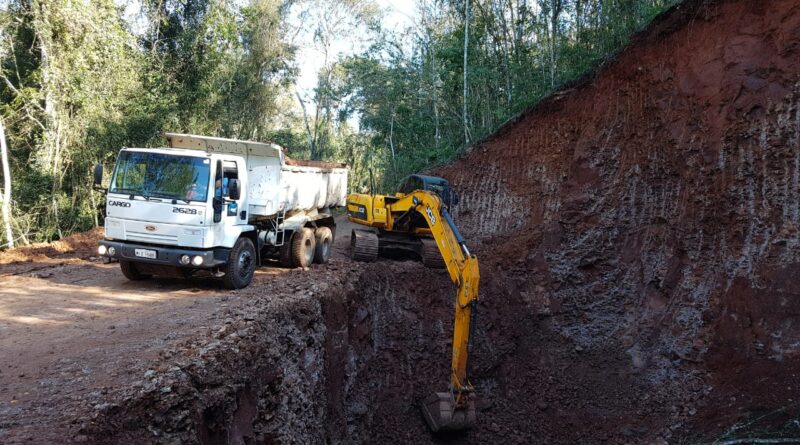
[68, 74]
[77, 84]
[518, 52]
[760, 427]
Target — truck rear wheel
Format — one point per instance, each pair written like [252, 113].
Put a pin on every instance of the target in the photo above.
[303, 246]
[241, 265]
[285, 252]
[131, 272]
[324, 239]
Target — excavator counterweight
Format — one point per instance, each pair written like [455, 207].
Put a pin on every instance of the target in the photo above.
[418, 221]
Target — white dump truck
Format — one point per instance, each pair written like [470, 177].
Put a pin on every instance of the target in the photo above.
[218, 206]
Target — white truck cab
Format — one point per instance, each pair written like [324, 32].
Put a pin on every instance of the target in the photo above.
[220, 206]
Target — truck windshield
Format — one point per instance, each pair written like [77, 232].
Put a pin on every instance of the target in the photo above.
[157, 175]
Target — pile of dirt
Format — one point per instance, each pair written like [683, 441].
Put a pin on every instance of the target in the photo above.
[79, 245]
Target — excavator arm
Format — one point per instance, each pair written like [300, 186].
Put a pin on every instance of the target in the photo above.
[454, 409]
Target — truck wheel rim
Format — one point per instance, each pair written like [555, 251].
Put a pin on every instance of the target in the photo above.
[309, 251]
[245, 261]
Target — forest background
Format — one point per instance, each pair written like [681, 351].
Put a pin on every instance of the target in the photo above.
[80, 79]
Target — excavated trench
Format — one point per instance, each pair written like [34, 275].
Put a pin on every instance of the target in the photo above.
[358, 356]
[638, 238]
[338, 361]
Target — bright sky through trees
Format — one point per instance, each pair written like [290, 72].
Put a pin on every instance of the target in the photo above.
[398, 15]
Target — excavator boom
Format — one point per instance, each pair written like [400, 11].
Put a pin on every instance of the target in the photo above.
[454, 409]
[407, 221]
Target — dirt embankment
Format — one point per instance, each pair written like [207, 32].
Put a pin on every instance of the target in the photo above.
[80, 245]
[653, 208]
[347, 360]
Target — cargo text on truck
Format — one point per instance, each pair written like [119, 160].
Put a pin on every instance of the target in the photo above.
[218, 206]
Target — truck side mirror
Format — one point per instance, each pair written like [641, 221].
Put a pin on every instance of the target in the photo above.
[234, 189]
[98, 175]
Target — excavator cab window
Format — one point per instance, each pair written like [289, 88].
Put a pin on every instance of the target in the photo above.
[410, 184]
[434, 184]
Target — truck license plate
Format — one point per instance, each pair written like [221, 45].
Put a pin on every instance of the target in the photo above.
[145, 253]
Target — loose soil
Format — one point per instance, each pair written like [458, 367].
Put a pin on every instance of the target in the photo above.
[638, 241]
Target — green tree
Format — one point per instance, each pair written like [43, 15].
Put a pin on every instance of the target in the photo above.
[68, 75]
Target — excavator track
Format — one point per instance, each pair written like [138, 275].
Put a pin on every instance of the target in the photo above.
[363, 245]
[431, 257]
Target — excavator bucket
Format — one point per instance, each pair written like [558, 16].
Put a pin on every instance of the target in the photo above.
[441, 413]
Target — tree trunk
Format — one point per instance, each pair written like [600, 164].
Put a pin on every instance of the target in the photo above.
[54, 131]
[437, 136]
[505, 39]
[305, 120]
[391, 146]
[556, 11]
[466, 45]
[6, 186]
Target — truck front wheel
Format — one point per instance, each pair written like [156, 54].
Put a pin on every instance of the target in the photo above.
[241, 265]
[303, 246]
[131, 272]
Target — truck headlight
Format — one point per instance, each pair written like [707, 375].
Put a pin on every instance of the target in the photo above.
[101, 249]
[197, 260]
[185, 259]
[112, 251]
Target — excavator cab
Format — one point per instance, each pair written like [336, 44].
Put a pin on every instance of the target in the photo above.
[434, 184]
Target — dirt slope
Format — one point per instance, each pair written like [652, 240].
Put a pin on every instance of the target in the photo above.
[653, 209]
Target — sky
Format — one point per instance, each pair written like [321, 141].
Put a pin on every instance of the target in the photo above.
[399, 16]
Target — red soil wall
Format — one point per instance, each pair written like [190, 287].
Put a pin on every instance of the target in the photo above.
[654, 207]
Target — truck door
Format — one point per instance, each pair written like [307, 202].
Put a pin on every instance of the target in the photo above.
[228, 212]
[224, 206]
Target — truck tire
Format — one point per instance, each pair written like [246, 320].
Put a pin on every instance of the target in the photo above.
[303, 245]
[131, 272]
[324, 241]
[241, 264]
[285, 252]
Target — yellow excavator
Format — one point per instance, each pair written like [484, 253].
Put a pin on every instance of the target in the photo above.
[416, 220]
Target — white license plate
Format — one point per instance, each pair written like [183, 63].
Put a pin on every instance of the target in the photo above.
[145, 253]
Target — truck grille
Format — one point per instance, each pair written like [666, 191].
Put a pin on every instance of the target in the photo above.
[152, 237]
